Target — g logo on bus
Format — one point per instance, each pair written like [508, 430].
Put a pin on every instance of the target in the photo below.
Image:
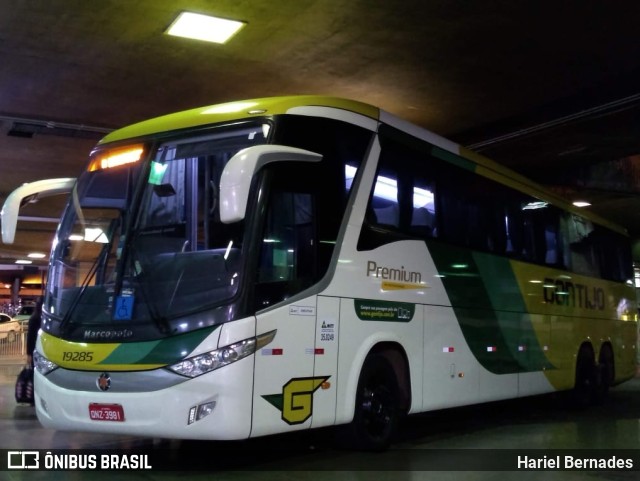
[104, 382]
[296, 400]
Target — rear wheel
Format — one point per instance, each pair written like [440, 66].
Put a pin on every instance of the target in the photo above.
[586, 379]
[605, 374]
[11, 336]
[376, 411]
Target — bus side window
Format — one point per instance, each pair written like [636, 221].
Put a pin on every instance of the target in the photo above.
[384, 201]
[614, 255]
[423, 215]
[553, 239]
[582, 256]
[402, 203]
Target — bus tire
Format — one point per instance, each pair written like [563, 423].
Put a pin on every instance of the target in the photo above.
[377, 410]
[585, 382]
[11, 336]
[605, 374]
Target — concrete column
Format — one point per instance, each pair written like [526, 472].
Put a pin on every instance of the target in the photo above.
[15, 291]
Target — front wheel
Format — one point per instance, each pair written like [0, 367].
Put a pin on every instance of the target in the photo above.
[377, 411]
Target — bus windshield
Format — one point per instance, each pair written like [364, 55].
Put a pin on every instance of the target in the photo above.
[145, 238]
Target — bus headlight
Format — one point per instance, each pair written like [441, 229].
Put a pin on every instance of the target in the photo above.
[209, 361]
[42, 364]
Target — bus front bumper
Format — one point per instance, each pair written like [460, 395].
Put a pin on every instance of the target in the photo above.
[215, 406]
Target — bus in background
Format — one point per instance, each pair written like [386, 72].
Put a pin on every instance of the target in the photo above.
[287, 263]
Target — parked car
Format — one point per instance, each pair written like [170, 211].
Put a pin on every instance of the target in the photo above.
[9, 327]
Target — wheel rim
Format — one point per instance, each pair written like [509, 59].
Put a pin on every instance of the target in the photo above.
[377, 409]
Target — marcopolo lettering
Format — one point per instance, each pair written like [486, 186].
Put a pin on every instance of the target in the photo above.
[90, 334]
[392, 274]
[566, 293]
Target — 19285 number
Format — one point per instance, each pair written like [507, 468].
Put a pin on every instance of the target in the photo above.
[77, 356]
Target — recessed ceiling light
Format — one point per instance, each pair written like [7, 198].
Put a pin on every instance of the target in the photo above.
[581, 203]
[36, 255]
[204, 27]
[24, 261]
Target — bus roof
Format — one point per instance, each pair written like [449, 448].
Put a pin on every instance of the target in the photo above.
[246, 109]
[230, 111]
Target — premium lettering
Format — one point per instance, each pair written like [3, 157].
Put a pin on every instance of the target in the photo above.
[392, 274]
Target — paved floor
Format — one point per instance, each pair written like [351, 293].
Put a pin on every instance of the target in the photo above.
[466, 444]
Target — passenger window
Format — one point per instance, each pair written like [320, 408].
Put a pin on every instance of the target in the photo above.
[384, 202]
[580, 238]
[423, 216]
[402, 201]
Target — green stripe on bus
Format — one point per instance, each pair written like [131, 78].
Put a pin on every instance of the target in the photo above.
[165, 351]
[511, 311]
[489, 307]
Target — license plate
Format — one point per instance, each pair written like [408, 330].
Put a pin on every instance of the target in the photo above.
[106, 412]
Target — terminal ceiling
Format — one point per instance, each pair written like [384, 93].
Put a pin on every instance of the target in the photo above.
[549, 89]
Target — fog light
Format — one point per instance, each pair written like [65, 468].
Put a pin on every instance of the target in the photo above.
[196, 413]
[205, 409]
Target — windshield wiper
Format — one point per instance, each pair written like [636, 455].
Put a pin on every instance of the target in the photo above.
[85, 283]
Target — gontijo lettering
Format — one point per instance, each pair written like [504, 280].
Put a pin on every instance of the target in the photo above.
[565, 293]
[393, 274]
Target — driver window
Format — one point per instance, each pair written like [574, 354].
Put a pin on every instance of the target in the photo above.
[287, 242]
[288, 252]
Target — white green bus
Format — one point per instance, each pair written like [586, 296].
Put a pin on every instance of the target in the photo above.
[281, 264]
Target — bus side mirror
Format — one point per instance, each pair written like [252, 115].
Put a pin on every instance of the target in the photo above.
[238, 173]
[29, 193]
